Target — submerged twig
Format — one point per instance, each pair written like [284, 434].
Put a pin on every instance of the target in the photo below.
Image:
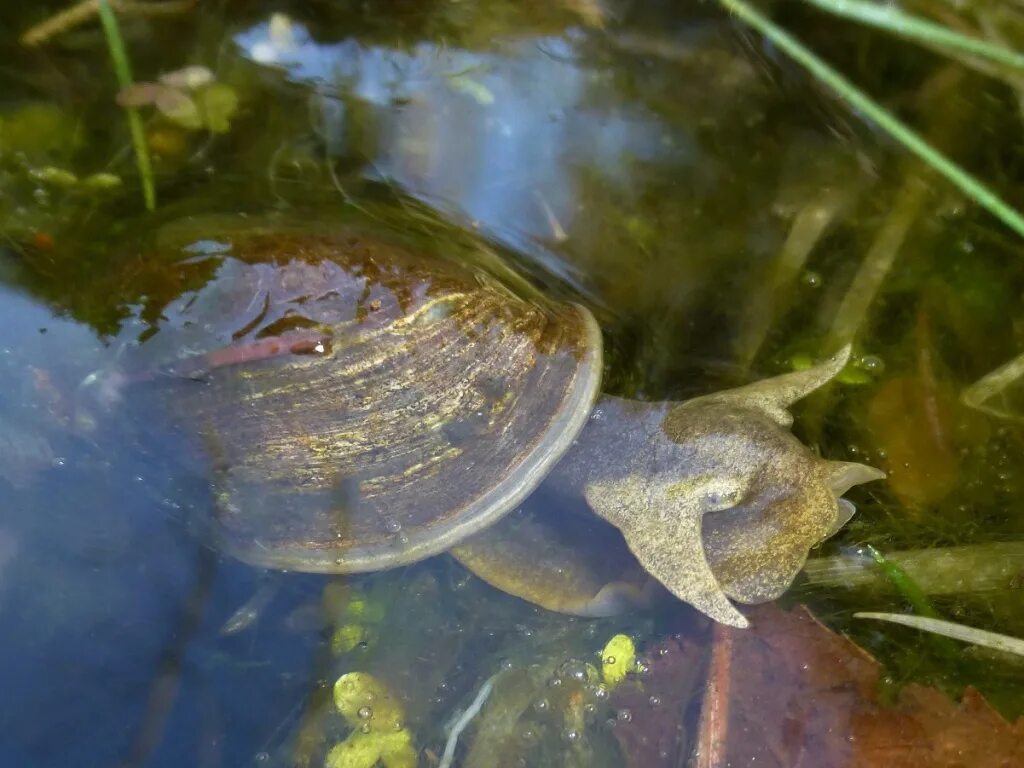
[713, 728]
[166, 685]
[123, 70]
[892, 19]
[460, 725]
[251, 610]
[992, 384]
[83, 11]
[982, 637]
[974, 188]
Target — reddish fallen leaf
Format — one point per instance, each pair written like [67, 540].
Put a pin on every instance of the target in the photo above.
[652, 708]
[909, 420]
[802, 696]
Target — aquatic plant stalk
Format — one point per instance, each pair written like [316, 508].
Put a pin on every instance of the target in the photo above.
[123, 71]
[808, 227]
[972, 635]
[871, 274]
[893, 126]
[892, 19]
[69, 18]
[936, 571]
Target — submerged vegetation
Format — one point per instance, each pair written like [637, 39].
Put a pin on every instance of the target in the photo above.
[734, 188]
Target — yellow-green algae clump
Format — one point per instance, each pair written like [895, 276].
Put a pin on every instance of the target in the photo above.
[379, 735]
[618, 659]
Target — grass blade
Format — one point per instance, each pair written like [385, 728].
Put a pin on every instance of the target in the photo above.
[123, 71]
[975, 189]
[981, 637]
[904, 583]
[892, 19]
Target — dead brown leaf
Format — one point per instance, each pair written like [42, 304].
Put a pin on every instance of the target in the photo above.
[909, 421]
[801, 696]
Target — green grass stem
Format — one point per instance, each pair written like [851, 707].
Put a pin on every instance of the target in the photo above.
[892, 19]
[904, 583]
[913, 594]
[123, 71]
[975, 189]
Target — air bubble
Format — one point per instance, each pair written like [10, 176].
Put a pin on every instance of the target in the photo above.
[654, 701]
[392, 526]
[364, 713]
[541, 705]
[624, 715]
[574, 670]
[872, 363]
[812, 279]
[572, 736]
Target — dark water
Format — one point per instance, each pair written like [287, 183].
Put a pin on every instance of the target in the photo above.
[663, 169]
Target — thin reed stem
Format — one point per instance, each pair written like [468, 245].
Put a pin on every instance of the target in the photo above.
[892, 19]
[123, 71]
[974, 188]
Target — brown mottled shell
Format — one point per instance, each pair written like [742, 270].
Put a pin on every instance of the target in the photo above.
[364, 406]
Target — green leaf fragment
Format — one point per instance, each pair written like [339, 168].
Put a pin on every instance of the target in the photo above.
[217, 104]
[57, 177]
[854, 376]
[101, 181]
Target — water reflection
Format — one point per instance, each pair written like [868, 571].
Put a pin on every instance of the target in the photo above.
[496, 134]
